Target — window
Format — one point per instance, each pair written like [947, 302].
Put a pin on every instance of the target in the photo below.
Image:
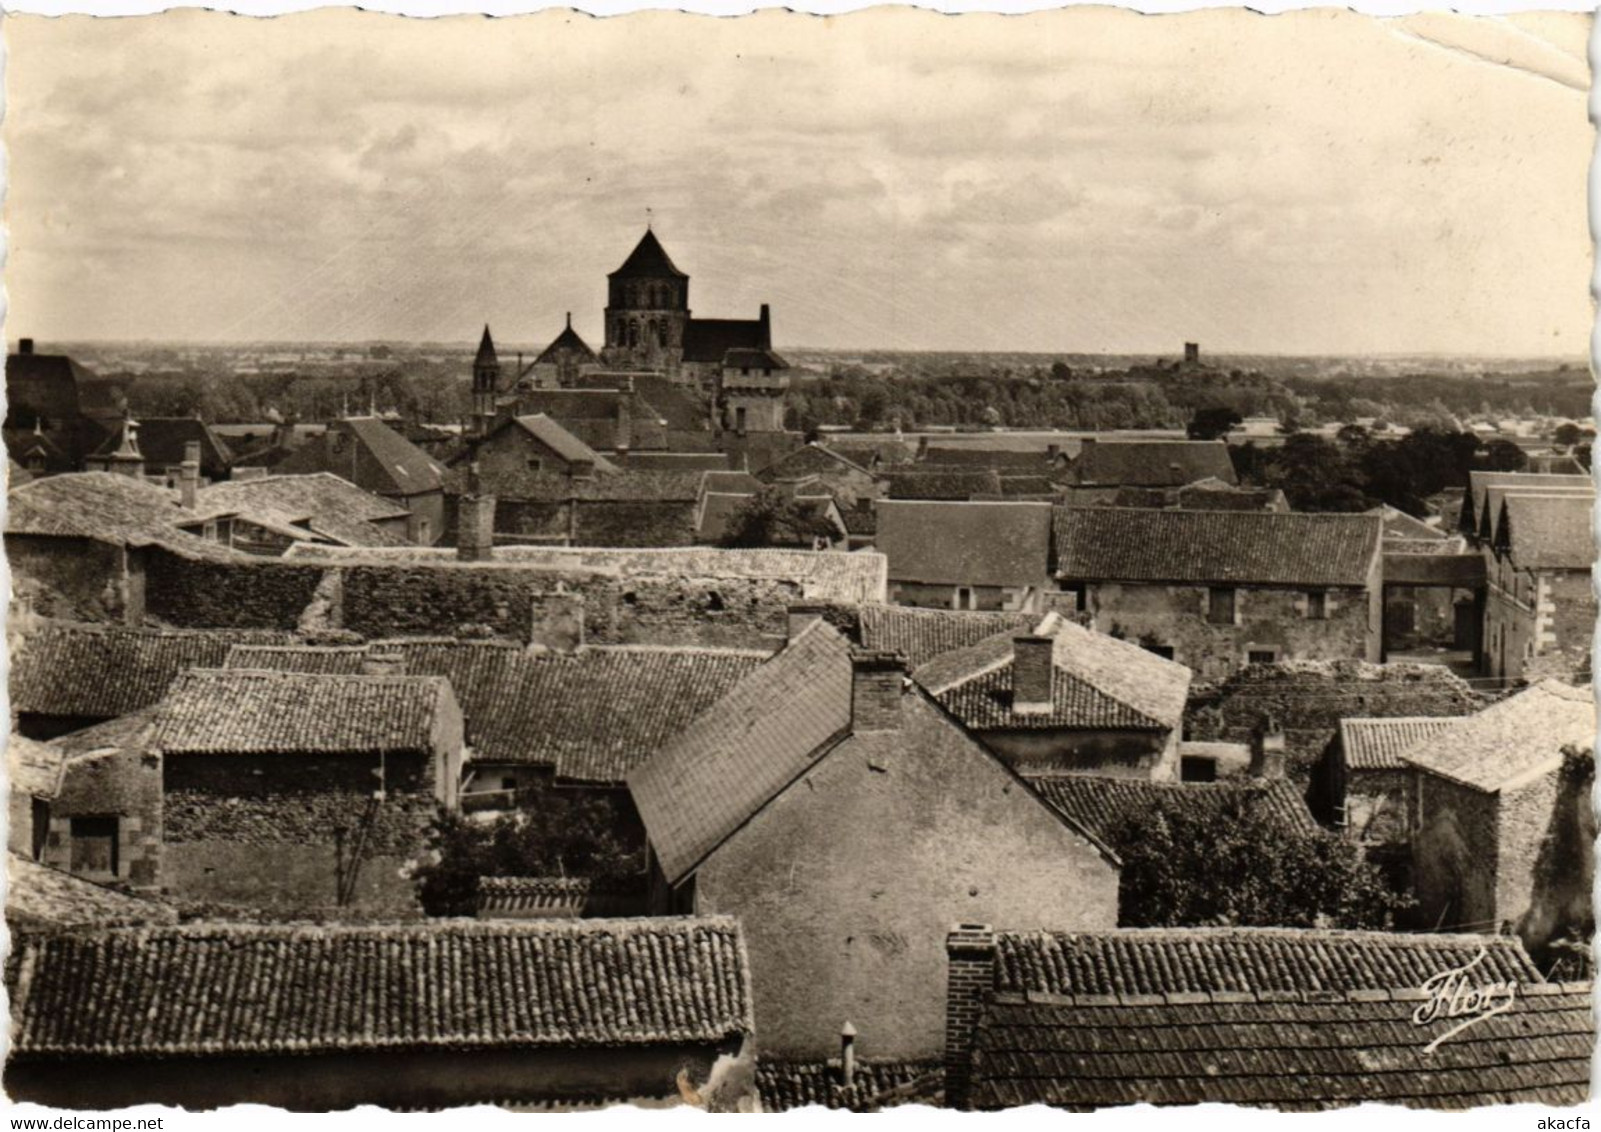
[1163, 651]
[94, 846]
[534, 464]
[508, 784]
[1194, 768]
[661, 335]
[739, 419]
[41, 826]
[1220, 605]
[1317, 605]
[1262, 656]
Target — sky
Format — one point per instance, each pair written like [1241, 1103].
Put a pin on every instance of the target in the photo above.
[1078, 181]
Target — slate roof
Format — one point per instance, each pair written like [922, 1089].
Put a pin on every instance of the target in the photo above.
[1263, 548]
[1512, 741]
[102, 671]
[741, 752]
[162, 440]
[1105, 805]
[1377, 744]
[708, 340]
[968, 544]
[1548, 532]
[648, 260]
[392, 465]
[1099, 683]
[920, 635]
[44, 899]
[106, 507]
[1312, 1053]
[458, 985]
[33, 768]
[1479, 484]
[1151, 463]
[320, 501]
[592, 715]
[594, 416]
[238, 711]
[951, 484]
[552, 435]
[568, 341]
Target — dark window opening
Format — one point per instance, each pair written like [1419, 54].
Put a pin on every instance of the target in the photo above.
[1220, 605]
[534, 464]
[714, 602]
[1261, 656]
[41, 826]
[1163, 651]
[1317, 605]
[508, 784]
[94, 846]
[1194, 768]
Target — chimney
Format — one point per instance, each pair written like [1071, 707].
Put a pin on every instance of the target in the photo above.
[767, 327]
[475, 522]
[189, 475]
[383, 662]
[1033, 665]
[1268, 755]
[1053, 452]
[847, 1046]
[877, 684]
[970, 964]
[558, 622]
[803, 615]
[25, 346]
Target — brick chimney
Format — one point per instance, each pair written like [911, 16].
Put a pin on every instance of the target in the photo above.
[766, 321]
[1268, 755]
[475, 522]
[970, 955]
[189, 475]
[557, 623]
[847, 1047]
[25, 345]
[1033, 666]
[878, 682]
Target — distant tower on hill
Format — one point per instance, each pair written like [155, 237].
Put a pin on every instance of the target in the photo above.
[1192, 353]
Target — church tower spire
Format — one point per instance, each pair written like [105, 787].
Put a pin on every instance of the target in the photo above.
[486, 382]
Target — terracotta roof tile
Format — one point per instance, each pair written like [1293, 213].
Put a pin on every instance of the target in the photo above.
[298, 989]
[1377, 744]
[321, 501]
[920, 635]
[1510, 741]
[1105, 805]
[786, 1085]
[106, 507]
[952, 484]
[1152, 463]
[41, 899]
[970, 544]
[1553, 532]
[1265, 548]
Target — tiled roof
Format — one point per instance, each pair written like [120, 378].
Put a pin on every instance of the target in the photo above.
[547, 895]
[42, 899]
[33, 768]
[107, 507]
[648, 260]
[1553, 532]
[1098, 682]
[1309, 1054]
[1479, 484]
[849, 577]
[1040, 486]
[1377, 744]
[592, 715]
[1210, 960]
[1009, 461]
[237, 711]
[101, 671]
[1512, 741]
[162, 440]
[709, 339]
[1399, 525]
[1266, 548]
[1105, 805]
[811, 459]
[968, 544]
[1152, 463]
[920, 635]
[889, 452]
[568, 341]
[1212, 495]
[321, 501]
[597, 416]
[553, 436]
[716, 462]
[743, 750]
[455, 985]
[371, 455]
[1493, 509]
[786, 1085]
[747, 357]
[950, 484]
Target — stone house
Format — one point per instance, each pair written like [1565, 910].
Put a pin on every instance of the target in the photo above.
[843, 478]
[67, 407]
[1218, 590]
[163, 442]
[966, 556]
[1062, 699]
[1287, 1019]
[417, 1016]
[514, 446]
[1503, 826]
[377, 459]
[268, 514]
[1104, 467]
[1540, 610]
[34, 771]
[843, 816]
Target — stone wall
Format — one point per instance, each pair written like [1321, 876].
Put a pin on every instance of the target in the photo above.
[125, 784]
[253, 594]
[1453, 858]
[1545, 867]
[72, 578]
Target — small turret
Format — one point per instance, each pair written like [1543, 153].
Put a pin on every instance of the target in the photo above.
[486, 382]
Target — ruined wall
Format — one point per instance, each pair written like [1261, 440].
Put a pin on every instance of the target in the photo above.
[1545, 867]
[636, 522]
[253, 594]
[1453, 858]
[1265, 619]
[72, 578]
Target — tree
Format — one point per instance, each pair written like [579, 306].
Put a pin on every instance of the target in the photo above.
[1212, 423]
[1061, 371]
[1241, 864]
[773, 517]
[1503, 456]
[1568, 434]
[553, 833]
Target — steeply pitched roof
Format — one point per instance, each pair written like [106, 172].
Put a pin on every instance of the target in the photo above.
[935, 483]
[1377, 744]
[77, 669]
[709, 340]
[1098, 683]
[108, 508]
[920, 635]
[1314, 1053]
[1513, 741]
[237, 711]
[162, 441]
[44, 899]
[592, 715]
[810, 459]
[552, 435]
[320, 501]
[567, 342]
[456, 984]
[1496, 495]
[968, 544]
[378, 458]
[1104, 806]
[1155, 961]
[486, 350]
[1152, 463]
[1548, 532]
[1264, 548]
[744, 357]
[742, 751]
[648, 260]
[604, 419]
[1480, 482]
